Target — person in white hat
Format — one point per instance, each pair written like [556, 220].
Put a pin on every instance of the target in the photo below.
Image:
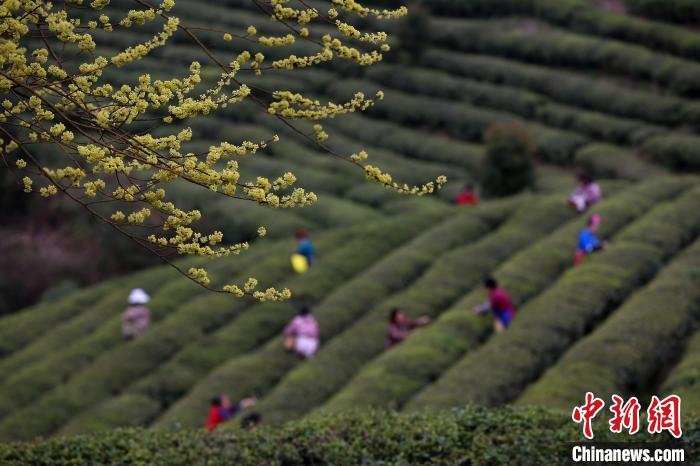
[137, 317]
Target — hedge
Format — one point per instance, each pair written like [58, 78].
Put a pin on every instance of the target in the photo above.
[18, 330]
[469, 436]
[684, 378]
[388, 272]
[94, 322]
[376, 196]
[580, 15]
[423, 146]
[633, 346]
[678, 151]
[50, 361]
[224, 327]
[394, 377]
[609, 161]
[309, 176]
[461, 120]
[523, 103]
[567, 87]
[447, 279]
[498, 371]
[255, 373]
[403, 169]
[116, 368]
[45, 316]
[675, 11]
[564, 49]
[242, 221]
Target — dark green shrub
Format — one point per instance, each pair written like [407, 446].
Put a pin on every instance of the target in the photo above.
[684, 378]
[395, 376]
[678, 151]
[559, 48]
[61, 290]
[499, 370]
[115, 369]
[472, 435]
[580, 15]
[608, 161]
[521, 102]
[19, 330]
[117, 366]
[461, 120]
[634, 345]
[256, 372]
[445, 281]
[674, 11]
[572, 88]
[508, 168]
[424, 146]
[69, 348]
[411, 34]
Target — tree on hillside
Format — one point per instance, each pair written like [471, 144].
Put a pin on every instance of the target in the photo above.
[116, 147]
[508, 168]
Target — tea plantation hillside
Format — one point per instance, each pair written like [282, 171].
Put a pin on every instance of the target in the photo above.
[614, 94]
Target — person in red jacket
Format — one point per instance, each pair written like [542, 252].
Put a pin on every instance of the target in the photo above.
[467, 196]
[500, 304]
[221, 410]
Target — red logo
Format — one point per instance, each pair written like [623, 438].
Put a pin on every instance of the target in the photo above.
[662, 415]
[665, 415]
[625, 415]
[586, 413]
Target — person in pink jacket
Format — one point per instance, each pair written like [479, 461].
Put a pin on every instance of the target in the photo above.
[302, 334]
[587, 193]
[137, 317]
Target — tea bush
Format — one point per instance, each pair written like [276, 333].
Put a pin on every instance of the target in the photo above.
[565, 49]
[464, 121]
[119, 366]
[568, 87]
[624, 353]
[608, 161]
[257, 372]
[676, 11]
[684, 378]
[678, 151]
[581, 16]
[74, 345]
[472, 435]
[498, 371]
[394, 377]
[450, 276]
[526, 104]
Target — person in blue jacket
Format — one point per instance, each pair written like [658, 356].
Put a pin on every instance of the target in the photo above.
[304, 247]
[588, 240]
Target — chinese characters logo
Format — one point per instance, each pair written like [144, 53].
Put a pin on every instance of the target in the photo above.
[662, 415]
